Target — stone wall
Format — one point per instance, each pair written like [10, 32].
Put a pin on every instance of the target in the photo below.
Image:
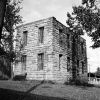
[79, 57]
[82, 58]
[60, 48]
[55, 49]
[33, 48]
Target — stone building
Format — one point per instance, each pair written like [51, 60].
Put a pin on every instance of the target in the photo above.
[47, 51]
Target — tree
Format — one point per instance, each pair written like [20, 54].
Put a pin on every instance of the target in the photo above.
[2, 13]
[12, 18]
[86, 19]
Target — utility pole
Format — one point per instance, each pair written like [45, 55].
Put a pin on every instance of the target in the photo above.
[89, 71]
[2, 14]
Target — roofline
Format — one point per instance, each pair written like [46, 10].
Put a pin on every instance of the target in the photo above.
[40, 20]
[45, 19]
[34, 22]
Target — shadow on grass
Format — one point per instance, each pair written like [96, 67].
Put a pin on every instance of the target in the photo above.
[6, 94]
[34, 87]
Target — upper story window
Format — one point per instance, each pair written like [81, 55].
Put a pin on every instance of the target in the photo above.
[68, 40]
[41, 34]
[82, 67]
[82, 47]
[25, 38]
[60, 31]
[60, 36]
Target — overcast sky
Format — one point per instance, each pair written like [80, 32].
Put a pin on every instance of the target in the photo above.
[37, 9]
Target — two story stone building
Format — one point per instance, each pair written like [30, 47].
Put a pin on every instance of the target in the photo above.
[47, 51]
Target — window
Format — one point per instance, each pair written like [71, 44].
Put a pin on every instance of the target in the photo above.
[25, 38]
[77, 63]
[60, 61]
[23, 61]
[41, 34]
[60, 31]
[82, 67]
[40, 61]
[68, 63]
[82, 48]
[78, 67]
[60, 36]
[68, 40]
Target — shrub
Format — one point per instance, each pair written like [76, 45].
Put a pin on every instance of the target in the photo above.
[78, 82]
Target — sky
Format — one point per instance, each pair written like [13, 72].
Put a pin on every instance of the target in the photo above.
[38, 9]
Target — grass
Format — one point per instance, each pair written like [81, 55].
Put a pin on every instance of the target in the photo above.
[6, 94]
[52, 91]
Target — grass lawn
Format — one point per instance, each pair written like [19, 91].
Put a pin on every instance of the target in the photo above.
[48, 91]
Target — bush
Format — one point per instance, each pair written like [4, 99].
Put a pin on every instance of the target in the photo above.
[4, 77]
[78, 82]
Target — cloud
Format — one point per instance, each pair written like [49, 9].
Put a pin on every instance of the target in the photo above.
[53, 8]
[32, 16]
[29, 11]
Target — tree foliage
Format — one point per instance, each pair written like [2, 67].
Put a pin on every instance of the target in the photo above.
[12, 18]
[2, 14]
[85, 18]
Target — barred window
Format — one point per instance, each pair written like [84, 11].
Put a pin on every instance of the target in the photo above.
[40, 61]
[60, 61]
[25, 38]
[82, 67]
[60, 36]
[68, 63]
[41, 34]
[68, 40]
[82, 47]
[23, 61]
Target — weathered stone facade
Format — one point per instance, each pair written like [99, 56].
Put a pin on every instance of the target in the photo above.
[57, 50]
